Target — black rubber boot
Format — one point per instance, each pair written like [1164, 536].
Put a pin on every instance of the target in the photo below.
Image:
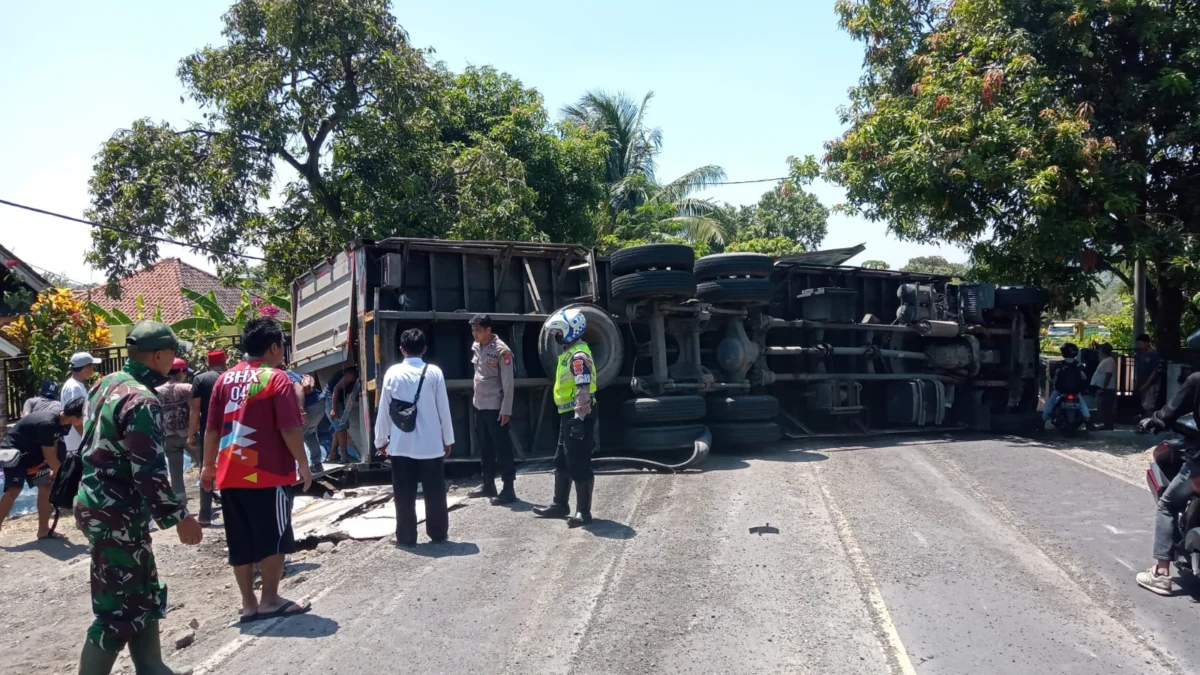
[488, 489]
[507, 495]
[95, 661]
[583, 503]
[562, 493]
[145, 651]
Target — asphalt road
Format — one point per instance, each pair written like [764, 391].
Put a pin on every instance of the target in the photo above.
[922, 557]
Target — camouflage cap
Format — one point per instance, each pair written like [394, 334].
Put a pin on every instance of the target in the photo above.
[152, 336]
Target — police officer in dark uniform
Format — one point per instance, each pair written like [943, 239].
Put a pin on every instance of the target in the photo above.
[493, 401]
[574, 397]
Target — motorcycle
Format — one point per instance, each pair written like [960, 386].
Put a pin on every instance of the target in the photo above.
[1068, 414]
[1169, 457]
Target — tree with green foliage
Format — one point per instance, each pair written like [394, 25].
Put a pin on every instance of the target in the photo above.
[787, 219]
[875, 265]
[328, 99]
[935, 264]
[630, 170]
[1056, 139]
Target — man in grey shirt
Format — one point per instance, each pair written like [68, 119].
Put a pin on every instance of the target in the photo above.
[493, 401]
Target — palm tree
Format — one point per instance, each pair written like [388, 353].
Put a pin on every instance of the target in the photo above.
[630, 167]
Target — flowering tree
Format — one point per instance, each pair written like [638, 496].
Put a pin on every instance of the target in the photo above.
[57, 326]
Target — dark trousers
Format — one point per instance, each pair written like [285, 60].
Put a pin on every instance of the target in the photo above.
[1106, 400]
[495, 446]
[406, 473]
[576, 438]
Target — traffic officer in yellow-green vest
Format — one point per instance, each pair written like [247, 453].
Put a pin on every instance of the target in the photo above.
[574, 396]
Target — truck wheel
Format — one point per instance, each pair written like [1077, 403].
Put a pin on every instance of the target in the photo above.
[654, 283]
[735, 291]
[723, 265]
[1020, 296]
[743, 434]
[602, 337]
[652, 257]
[651, 439]
[665, 410]
[743, 408]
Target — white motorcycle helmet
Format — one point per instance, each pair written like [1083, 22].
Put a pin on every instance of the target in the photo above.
[566, 325]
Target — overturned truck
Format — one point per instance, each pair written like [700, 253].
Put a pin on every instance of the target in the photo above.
[739, 348]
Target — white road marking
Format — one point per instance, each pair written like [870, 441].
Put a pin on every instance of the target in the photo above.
[1124, 564]
[866, 580]
[1114, 530]
[921, 538]
[253, 632]
[1106, 472]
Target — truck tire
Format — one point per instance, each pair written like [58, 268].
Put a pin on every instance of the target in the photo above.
[735, 291]
[653, 439]
[602, 337]
[665, 410]
[743, 434]
[1020, 296]
[653, 283]
[743, 408]
[722, 265]
[652, 257]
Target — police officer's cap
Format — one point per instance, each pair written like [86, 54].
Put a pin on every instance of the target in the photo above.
[152, 336]
[482, 320]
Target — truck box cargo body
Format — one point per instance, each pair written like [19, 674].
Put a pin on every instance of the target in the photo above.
[736, 348]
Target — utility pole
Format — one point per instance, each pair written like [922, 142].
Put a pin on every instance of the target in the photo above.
[1139, 297]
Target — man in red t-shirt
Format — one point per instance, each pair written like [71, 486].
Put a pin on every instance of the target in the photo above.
[253, 443]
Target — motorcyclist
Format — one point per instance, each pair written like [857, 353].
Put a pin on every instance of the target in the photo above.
[1187, 400]
[1069, 379]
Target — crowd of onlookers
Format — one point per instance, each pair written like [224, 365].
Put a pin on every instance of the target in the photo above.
[50, 427]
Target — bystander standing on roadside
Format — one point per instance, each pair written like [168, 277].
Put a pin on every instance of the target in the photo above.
[47, 399]
[35, 438]
[493, 401]
[312, 410]
[1146, 375]
[202, 387]
[83, 366]
[253, 444]
[417, 455]
[342, 393]
[175, 396]
[1104, 381]
[124, 485]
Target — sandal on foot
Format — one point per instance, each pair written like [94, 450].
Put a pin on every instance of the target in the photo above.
[288, 608]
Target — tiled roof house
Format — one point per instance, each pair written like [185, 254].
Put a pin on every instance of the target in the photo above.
[161, 284]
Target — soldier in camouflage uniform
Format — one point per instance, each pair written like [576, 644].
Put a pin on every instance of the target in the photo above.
[124, 484]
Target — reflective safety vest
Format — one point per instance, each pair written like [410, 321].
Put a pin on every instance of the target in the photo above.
[564, 380]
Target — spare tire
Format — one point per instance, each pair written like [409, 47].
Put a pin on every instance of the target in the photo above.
[654, 283]
[723, 265]
[652, 257]
[653, 439]
[740, 435]
[665, 410]
[735, 291]
[602, 337]
[742, 408]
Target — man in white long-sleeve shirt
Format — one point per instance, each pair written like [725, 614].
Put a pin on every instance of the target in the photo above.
[417, 455]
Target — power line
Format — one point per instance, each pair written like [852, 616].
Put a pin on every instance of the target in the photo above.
[756, 180]
[152, 237]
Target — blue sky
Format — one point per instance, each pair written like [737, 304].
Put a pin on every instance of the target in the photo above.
[740, 85]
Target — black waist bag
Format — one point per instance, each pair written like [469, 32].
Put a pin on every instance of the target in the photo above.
[403, 413]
